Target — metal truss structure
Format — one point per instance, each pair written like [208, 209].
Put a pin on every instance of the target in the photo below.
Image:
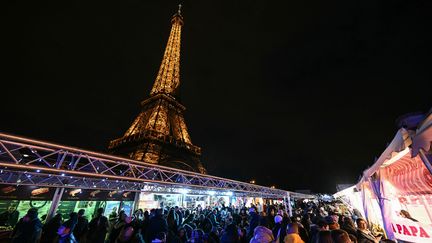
[29, 162]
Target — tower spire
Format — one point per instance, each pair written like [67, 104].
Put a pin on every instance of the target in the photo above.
[168, 78]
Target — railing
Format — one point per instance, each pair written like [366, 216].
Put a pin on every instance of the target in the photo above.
[30, 162]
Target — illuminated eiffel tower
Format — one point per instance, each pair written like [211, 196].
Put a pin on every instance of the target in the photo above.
[159, 134]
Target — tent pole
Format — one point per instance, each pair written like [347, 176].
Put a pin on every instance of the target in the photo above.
[55, 203]
[289, 204]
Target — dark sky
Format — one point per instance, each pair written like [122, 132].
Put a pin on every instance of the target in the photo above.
[300, 94]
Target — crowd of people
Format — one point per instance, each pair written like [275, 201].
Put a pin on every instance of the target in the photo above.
[310, 223]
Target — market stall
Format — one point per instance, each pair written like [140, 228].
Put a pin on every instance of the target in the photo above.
[396, 190]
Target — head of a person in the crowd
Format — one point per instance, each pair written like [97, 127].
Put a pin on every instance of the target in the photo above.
[128, 219]
[272, 212]
[340, 236]
[329, 220]
[324, 236]
[181, 233]
[32, 213]
[293, 228]
[159, 212]
[231, 233]
[334, 226]
[81, 212]
[278, 219]
[252, 210]
[335, 216]
[99, 211]
[348, 222]
[11, 208]
[323, 225]
[362, 224]
[73, 216]
[57, 218]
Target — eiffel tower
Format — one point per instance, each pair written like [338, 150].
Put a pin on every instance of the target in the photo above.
[159, 134]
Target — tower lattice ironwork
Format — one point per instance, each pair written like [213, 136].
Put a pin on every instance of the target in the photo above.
[159, 134]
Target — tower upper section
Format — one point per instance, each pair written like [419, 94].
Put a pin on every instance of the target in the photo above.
[168, 78]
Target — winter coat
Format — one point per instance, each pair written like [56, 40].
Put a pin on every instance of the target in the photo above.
[262, 235]
[254, 222]
[81, 228]
[27, 230]
[293, 238]
[156, 225]
[276, 229]
[97, 229]
[363, 237]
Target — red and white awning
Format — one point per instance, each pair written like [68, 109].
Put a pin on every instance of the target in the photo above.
[409, 176]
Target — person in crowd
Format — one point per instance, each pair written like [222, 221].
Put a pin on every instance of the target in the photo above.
[353, 238]
[65, 231]
[293, 234]
[277, 226]
[363, 233]
[271, 213]
[348, 225]
[243, 235]
[182, 235]
[157, 224]
[180, 214]
[49, 230]
[127, 235]
[113, 215]
[230, 234]
[323, 236]
[243, 217]
[81, 227]
[197, 236]
[331, 222]
[254, 219]
[262, 234]
[117, 226]
[98, 227]
[28, 229]
[304, 234]
[315, 231]
[340, 236]
[9, 217]
[144, 224]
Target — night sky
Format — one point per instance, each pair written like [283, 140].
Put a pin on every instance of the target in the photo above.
[297, 94]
